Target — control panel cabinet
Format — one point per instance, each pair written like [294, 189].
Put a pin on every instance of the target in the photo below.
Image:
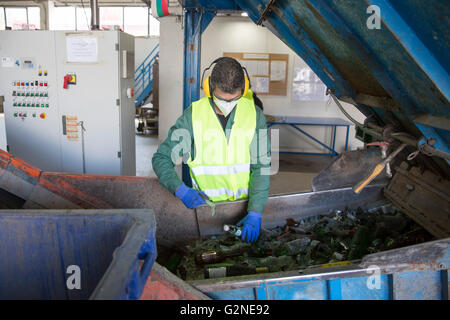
[66, 105]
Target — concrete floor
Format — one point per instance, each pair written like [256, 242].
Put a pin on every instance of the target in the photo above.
[146, 146]
[295, 171]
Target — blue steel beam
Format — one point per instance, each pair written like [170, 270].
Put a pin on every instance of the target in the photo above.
[431, 133]
[356, 44]
[414, 46]
[195, 22]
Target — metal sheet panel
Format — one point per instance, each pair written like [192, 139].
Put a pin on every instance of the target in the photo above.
[93, 101]
[33, 139]
[424, 285]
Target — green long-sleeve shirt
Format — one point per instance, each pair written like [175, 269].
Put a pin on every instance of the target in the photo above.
[180, 143]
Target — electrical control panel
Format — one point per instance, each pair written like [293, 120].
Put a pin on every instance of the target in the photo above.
[65, 102]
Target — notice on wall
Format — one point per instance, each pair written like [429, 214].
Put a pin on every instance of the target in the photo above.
[260, 84]
[82, 49]
[256, 67]
[277, 70]
[7, 62]
[256, 56]
[72, 128]
[263, 68]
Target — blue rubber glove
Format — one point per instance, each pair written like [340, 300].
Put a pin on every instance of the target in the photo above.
[252, 225]
[190, 197]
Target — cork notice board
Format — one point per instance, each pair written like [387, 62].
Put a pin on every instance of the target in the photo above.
[267, 71]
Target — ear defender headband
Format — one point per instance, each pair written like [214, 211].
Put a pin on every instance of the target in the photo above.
[206, 86]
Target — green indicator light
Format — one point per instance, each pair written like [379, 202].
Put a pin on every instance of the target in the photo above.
[42, 105]
[46, 105]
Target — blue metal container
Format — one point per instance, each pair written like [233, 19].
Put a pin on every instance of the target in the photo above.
[418, 272]
[75, 254]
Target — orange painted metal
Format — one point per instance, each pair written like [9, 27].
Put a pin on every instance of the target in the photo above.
[53, 182]
[4, 159]
[62, 187]
[159, 287]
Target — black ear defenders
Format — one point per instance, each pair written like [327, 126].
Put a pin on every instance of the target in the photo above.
[206, 82]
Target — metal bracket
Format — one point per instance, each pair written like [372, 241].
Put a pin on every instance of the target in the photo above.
[265, 12]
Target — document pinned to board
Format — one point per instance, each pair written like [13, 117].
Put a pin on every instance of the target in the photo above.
[260, 84]
[82, 49]
[277, 70]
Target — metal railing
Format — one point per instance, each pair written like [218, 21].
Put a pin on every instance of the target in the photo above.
[143, 77]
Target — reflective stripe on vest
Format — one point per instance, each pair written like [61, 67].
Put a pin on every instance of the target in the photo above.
[215, 170]
[221, 168]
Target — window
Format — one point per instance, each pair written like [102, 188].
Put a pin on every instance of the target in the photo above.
[16, 18]
[83, 18]
[34, 18]
[133, 20]
[2, 18]
[307, 86]
[62, 18]
[110, 17]
[136, 21]
[154, 26]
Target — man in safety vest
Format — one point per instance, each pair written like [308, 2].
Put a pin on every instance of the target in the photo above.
[224, 135]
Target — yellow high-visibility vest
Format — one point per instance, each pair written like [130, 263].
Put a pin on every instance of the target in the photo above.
[221, 169]
[249, 94]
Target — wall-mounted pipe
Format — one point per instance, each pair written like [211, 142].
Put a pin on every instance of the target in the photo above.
[95, 15]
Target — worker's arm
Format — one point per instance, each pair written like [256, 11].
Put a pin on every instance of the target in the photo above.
[260, 165]
[178, 142]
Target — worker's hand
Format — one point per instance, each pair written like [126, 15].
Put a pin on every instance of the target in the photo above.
[252, 225]
[191, 198]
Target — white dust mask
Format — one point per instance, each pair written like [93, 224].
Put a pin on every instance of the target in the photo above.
[225, 106]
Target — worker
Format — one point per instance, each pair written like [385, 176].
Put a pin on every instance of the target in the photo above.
[223, 139]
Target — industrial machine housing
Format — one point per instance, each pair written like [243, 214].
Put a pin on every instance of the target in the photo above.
[66, 103]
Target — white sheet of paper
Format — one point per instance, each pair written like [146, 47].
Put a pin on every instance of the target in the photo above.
[7, 62]
[256, 56]
[82, 49]
[263, 68]
[261, 84]
[252, 67]
[277, 70]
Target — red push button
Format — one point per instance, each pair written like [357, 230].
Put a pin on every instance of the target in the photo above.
[43, 116]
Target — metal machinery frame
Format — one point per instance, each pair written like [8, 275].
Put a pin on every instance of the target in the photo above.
[397, 74]
[294, 122]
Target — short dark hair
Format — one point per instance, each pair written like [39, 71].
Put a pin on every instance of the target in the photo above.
[227, 75]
